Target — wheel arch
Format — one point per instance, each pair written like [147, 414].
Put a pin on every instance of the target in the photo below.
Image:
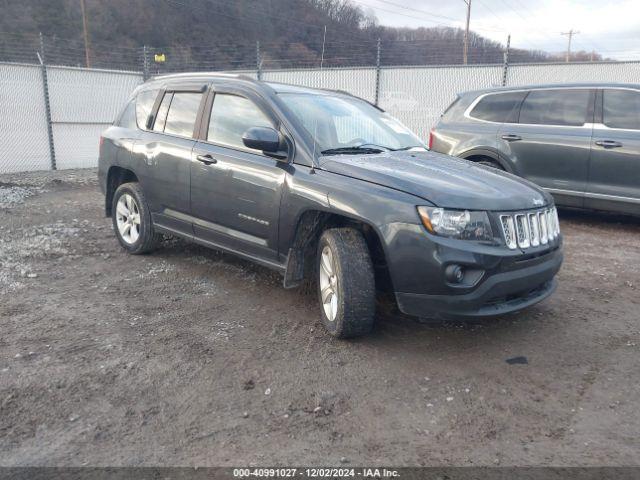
[116, 176]
[309, 227]
[477, 154]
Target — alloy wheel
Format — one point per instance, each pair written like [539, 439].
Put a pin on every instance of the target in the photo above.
[328, 284]
[128, 218]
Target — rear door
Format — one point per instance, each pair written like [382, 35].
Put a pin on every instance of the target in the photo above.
[614, 174]
[550, 143]
[236, 191]
[165, 153]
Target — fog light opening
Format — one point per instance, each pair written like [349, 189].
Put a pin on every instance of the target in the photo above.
[454, 273]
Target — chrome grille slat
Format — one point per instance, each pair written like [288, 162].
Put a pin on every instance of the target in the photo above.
[531, 228]
[543, 228]
[522, 231]
[509, 231]
[534, 229]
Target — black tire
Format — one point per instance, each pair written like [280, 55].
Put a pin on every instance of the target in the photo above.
[148, 239]
[491, 163]
[355, 283]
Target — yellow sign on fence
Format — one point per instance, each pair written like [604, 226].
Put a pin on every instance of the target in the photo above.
[159, 58]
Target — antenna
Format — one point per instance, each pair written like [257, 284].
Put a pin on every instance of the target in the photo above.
[315, 125]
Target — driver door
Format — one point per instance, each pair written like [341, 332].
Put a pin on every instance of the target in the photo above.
[235, 190]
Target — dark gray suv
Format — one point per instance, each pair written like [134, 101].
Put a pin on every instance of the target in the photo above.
[580, 142]
[323, 185]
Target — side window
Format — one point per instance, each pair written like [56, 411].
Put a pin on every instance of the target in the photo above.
[621, 109]
[231, 116]
[128, 117]
[183, 111]
[499, 107]
[144, 104]
[161, 116]
[556, 107]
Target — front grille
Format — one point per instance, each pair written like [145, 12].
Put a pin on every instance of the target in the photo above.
[530, 229]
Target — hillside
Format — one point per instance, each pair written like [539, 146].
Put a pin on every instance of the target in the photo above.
[222, 34]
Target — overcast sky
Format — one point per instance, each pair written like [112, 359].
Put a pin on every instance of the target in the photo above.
[612, 28]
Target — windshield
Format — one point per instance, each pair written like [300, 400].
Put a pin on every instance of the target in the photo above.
[343, 125]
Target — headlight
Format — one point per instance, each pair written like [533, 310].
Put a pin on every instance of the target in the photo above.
[460, 224]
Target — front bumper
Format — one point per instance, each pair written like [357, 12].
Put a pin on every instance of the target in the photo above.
[523, 284]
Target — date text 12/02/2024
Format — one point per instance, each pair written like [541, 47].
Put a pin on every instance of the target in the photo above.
[315, 472]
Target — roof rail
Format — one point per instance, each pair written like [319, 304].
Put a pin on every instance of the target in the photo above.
[240, 76]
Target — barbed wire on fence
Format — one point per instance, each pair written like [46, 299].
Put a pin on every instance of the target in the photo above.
[244, 55]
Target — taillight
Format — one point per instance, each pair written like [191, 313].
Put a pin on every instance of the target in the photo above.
[431, 138]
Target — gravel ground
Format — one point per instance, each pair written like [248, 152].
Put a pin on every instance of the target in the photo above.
[192, 357]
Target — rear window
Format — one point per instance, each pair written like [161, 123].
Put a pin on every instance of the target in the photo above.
[144, 104]
[448, 109]
[183, 111]
[498, 107]
[161, 116]
[621, 109]
[556, 107]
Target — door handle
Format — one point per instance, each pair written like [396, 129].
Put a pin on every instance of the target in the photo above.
[206, 159]
[608, 143]
[511, 138]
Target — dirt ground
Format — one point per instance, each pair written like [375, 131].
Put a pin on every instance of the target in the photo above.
[192, 357]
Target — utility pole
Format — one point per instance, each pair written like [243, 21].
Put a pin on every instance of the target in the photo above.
[324, 39]
[505, 64]
[258, 61]
[85, 33]
[570, 35]
[466, 33]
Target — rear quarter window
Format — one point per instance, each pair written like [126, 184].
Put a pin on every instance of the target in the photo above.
[498, 107]
[128, 117]
[144, 104]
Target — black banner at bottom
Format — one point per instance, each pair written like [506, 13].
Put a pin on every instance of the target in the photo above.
[423, 473]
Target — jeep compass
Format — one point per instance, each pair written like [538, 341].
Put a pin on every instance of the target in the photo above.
[324, 186]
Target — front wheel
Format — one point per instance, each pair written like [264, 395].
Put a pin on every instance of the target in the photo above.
[346, 284]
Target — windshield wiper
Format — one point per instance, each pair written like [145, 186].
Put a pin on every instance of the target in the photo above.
[408, 148]
[351, 150]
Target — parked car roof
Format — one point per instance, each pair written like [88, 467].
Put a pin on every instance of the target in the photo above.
[554, 85]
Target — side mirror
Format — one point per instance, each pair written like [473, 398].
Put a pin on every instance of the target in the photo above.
[265, 139]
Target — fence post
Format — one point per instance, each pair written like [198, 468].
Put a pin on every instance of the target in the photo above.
[505, 65]
[47, 105]
[377, 72]
[258, 61]
[145, 63]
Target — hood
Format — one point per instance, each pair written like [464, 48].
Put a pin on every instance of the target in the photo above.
[445, 181]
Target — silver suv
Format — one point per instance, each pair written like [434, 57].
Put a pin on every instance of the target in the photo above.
[580, 142]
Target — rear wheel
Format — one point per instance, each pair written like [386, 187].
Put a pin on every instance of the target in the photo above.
[490, 163]
[346, 285]
[132, 219]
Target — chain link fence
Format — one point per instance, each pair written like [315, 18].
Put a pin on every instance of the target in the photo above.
[24, 141]
[51, 114]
